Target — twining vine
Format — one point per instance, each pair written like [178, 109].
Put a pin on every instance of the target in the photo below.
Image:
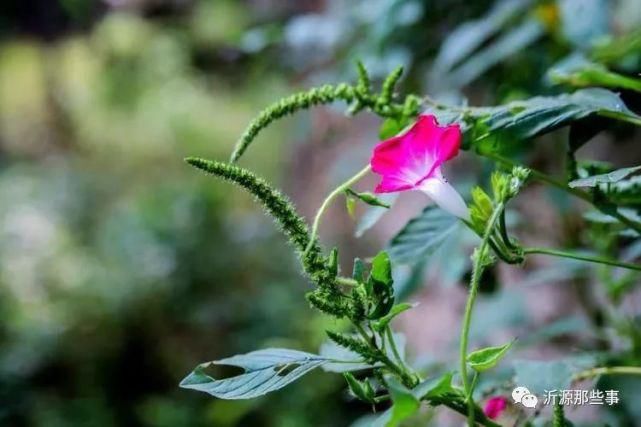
[366, 298]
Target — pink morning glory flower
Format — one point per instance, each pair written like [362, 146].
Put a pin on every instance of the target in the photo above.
[494, 407]
[412, 160]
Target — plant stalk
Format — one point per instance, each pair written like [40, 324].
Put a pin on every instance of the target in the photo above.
[477, 270]
[608, 370]
[328, 200]
[588, 258]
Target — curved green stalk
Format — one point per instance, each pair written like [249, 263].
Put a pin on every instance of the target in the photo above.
[608, 370]
[328, 200]
[588, 258]
[281, 209]
[299, 101]
[477, 270]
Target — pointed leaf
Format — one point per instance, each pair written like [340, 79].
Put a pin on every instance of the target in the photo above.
[606, 178]
[361, 389]
[367, 198]
[382, 323]
[265, 371]
[525, 119]
[436, 387]
[487, 358]
[422, 235]
[389, 128]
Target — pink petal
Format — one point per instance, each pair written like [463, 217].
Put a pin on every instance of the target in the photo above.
[406, 160]
[495, 407]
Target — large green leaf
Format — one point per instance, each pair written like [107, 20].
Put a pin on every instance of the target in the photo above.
[539, 115]
[526, 119]
[265, 371]
[422, 235]
[606, 178]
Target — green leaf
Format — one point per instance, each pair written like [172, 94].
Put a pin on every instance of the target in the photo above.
[265, 371]
[382, 323]
[436, 387]
[368, 198]
[389, 128]
[525, 119]
[487, 358]
[439, 391]
[404, 406]
[607, 178]
[422, 235]
[361, 389]
[382, 268]
[379, 286]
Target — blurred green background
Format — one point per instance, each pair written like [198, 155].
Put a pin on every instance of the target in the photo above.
[120, 267]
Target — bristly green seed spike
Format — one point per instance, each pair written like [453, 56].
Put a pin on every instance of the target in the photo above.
[387, 90]
[281, 209]
[300, 101]
[360, 97]
[364, 83]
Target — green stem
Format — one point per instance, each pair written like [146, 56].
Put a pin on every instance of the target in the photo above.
[608, 370]
[474, 380]
[595, 259]
[328, 200]
[503, 230]
[562, 186]
[390, 338]
[477, 270]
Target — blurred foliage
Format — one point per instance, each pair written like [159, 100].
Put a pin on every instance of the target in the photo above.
[112, 276]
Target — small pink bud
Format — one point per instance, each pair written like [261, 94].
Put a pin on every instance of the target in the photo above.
[495, 406]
